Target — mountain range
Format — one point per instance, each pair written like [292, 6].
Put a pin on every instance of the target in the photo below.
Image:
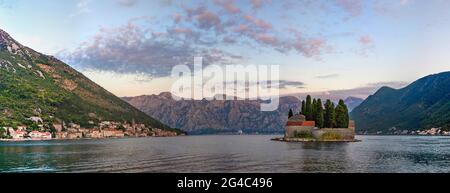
[423, 104]
[217, 116]
[34, 84]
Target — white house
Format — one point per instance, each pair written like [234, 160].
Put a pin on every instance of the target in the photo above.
[36, 135]
[16, 135]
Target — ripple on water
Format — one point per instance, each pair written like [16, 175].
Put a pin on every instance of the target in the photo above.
[228, 154]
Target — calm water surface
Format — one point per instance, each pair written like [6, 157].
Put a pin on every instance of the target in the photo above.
[228, 154]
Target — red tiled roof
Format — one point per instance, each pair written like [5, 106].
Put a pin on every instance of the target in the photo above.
[301, 123]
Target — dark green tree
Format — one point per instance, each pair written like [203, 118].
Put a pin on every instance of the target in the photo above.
[290, 113]
[319, 114]
[303, 108]
[51, 128]
[8, 134]
[3, 133]
[342, 117]
[32, 127]
[313, 110]
[308, 108]
[329, 115]
[121, 128]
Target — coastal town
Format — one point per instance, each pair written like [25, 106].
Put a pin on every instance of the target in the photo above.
[434, 131]
[62, 131]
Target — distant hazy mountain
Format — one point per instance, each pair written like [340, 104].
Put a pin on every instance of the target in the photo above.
[353, 102]
[423, 104]
[204, 116]
[34, 84]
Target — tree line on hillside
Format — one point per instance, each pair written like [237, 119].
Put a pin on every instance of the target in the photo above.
[326, 115]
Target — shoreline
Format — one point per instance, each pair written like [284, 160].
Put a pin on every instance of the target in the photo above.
[300, 140]
[280, 139]
[39, 140]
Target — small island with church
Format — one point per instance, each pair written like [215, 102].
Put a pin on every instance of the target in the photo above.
[317, 122]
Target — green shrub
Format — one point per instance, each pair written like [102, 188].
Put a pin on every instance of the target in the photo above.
[303, 134]
[331, 136]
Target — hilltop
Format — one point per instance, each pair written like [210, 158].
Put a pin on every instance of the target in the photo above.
[424, 104]
[37, 85]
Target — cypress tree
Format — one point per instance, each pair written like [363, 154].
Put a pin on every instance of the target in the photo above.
[319, 114]
[313, 110]
[290, 113]
[341, 115]
[308, 108]
[329, 115]
[303, 107]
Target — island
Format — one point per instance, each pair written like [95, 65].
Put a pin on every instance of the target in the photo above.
[319, 123]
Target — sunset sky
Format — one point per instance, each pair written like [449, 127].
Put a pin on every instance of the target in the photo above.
[130, 46]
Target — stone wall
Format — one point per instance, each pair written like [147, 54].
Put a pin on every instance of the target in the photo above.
[292, 130]
[334, 134]
[324, 134]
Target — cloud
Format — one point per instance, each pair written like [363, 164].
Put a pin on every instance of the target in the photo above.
[82, 7]
[177, 18]
[310, 47]
[392, 84]
[283, 84]
[236, 27]
[267, 39]
[197, 30]
[404, 2]
[205, 19]
[135, 48]
[258, 23]
[359, 92]
[366, 90]
[7, 4]
[352, 7]
[366, 40]
[280, 84]
[228, 5]
[229, 40]
[256, 4]
[128, 3]
[327, 76]
[367, 45]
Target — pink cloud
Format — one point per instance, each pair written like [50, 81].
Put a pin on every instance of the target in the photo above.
[352, 7]
[258, 22]
[242, 28]
[366, 40]
[182, 31]
[310, 47]
[267, 39]
[404, 2]
[229, 40]
[256, 4]
[205, 19]
[228, 5]
[177, 17]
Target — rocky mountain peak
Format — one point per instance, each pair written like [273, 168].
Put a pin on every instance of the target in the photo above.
[3, 35]
[166, 95]
[8, 43]
[5, 38]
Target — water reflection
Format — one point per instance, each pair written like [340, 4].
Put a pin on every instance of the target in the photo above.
[228, 154]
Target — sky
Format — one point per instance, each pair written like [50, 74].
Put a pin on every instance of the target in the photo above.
[322, 46]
